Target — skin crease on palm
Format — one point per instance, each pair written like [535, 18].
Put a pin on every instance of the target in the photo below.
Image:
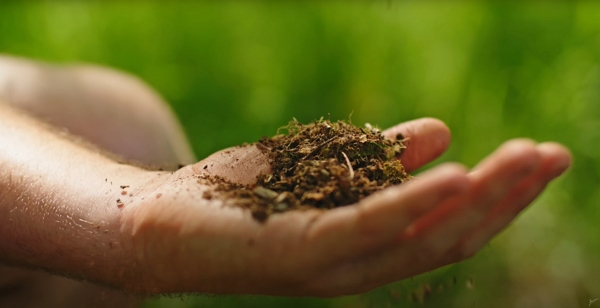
[162, 236]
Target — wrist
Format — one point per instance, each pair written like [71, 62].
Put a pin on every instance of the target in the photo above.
[147, 239]
[115, 258]
[75, 228]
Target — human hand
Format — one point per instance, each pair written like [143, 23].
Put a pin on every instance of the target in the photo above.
[185, 243]
[173, 240]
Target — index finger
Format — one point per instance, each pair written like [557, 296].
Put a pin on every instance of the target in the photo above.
[426, 139]
[377, 220]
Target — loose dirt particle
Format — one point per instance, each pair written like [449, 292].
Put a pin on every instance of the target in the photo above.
[320, 165]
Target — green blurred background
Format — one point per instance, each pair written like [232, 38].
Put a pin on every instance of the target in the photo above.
[235, 71]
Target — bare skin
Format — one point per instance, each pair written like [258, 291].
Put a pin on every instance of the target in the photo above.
[63, 210]
[83, 99]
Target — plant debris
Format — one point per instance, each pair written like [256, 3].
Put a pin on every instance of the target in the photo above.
[319, 165]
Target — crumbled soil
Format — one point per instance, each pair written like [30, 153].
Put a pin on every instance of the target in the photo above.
[319, 165]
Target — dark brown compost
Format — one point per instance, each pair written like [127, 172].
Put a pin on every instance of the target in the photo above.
[318, 165]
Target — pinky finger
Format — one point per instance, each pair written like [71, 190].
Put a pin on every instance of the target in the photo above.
[555, 160]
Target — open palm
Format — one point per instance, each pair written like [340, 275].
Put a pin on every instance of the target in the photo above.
[443, 216]
[182, 242]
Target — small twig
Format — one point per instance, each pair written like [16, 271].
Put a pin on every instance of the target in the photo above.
[319, 147]
[313, 151]
[349, 166]
[264, 147]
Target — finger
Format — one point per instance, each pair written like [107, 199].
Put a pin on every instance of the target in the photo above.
[496, 177]
[555, 160]
[427, 138]
[426, 244]
[368, 272]
[380, 267]
[376, 221]
[389, 265]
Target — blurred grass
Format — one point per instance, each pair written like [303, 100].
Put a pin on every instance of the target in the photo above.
[235, 71]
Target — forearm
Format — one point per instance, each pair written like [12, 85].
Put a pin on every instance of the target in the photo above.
[61, 203]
